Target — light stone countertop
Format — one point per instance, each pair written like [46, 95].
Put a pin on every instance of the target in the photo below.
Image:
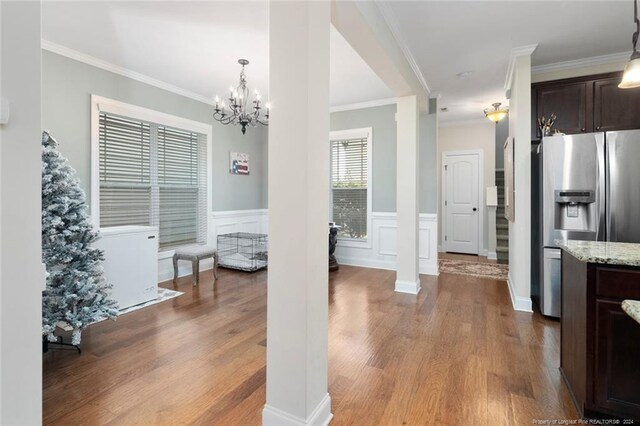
[608, 253]
[632, 308]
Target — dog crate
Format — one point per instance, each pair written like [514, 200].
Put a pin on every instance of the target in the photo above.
[242, 251]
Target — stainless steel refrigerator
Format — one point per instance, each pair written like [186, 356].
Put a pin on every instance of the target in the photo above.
[589, 189]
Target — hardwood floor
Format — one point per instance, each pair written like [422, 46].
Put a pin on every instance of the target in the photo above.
[455, 354]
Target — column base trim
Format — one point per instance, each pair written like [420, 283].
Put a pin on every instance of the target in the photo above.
[522, 304]
[320, 416]
[411, 287]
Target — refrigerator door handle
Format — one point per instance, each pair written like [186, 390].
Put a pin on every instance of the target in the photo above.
[601, 225]
[610, 156]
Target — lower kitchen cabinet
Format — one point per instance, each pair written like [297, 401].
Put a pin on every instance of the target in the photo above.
[600, 344]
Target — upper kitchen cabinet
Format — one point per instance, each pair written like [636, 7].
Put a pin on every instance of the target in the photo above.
[570, 102]
[615, 108]
[585, 104]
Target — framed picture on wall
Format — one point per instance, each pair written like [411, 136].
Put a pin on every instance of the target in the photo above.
[238, 163]
[509, 201]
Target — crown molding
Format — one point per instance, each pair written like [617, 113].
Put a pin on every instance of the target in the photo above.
[362, 105]
[515, 53]
[581, 63]
[116, 69]
[463, 122]
[392, 22]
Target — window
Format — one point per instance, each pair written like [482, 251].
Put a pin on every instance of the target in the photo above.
[350, 188]
[151, 173]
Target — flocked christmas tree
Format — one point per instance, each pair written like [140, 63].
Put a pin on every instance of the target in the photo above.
[77, 293]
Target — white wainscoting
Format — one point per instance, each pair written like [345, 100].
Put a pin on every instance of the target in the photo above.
[382, 253]
[220, 222]
[225, 222]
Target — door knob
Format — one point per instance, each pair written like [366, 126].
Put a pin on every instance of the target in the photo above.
[474, 209]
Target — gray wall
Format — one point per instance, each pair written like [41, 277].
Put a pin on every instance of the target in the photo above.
[67, 86]
[502, 133]
[428, 166]
[383, 121]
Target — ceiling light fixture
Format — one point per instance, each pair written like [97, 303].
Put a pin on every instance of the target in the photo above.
[496, 114]
[631, 76]
[237, 114]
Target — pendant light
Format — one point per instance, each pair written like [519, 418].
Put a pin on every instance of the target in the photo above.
[631, 76]
[496, 114]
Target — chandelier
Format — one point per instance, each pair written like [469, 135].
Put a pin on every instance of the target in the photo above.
[496, 113]
[238, 112]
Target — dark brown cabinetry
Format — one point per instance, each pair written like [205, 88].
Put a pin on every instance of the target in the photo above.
[615, 108]
[585, 104]
[569, 103]
[600, 344]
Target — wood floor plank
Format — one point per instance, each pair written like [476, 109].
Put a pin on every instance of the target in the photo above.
[455, 354]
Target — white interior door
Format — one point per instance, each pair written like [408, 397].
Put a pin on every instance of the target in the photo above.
[461, 203]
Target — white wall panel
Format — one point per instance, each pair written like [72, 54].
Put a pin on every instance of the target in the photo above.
[382, 253]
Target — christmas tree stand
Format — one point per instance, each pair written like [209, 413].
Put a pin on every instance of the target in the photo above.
[46, 345]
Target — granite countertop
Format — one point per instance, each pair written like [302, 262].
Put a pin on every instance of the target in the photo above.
[632, 308]
[608, 253]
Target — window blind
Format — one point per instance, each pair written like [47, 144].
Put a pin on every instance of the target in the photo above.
[349, 186]
[151, 174]
[179, 162]
[125, 178]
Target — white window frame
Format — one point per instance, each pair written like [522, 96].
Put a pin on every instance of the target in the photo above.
[361, 133]
[101, 104]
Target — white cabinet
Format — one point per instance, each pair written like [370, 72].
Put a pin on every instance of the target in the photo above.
[131, 262]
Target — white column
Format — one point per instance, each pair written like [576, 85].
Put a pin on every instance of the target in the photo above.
[21, 272]
[520, 129]
[407, 278]
[297, 306]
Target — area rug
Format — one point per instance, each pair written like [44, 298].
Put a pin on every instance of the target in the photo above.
[494, 271]
[164, 294]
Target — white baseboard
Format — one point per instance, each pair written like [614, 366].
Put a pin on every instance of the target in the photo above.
[411, 287]
[522, 304]
[492, 255]
[165, 268]
[367, 263]
[320, 416]
[441, 249]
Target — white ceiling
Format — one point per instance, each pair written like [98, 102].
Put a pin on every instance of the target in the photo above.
[194, 45]
[451, 37]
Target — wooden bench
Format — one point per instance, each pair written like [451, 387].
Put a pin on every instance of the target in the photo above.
[195, 254]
